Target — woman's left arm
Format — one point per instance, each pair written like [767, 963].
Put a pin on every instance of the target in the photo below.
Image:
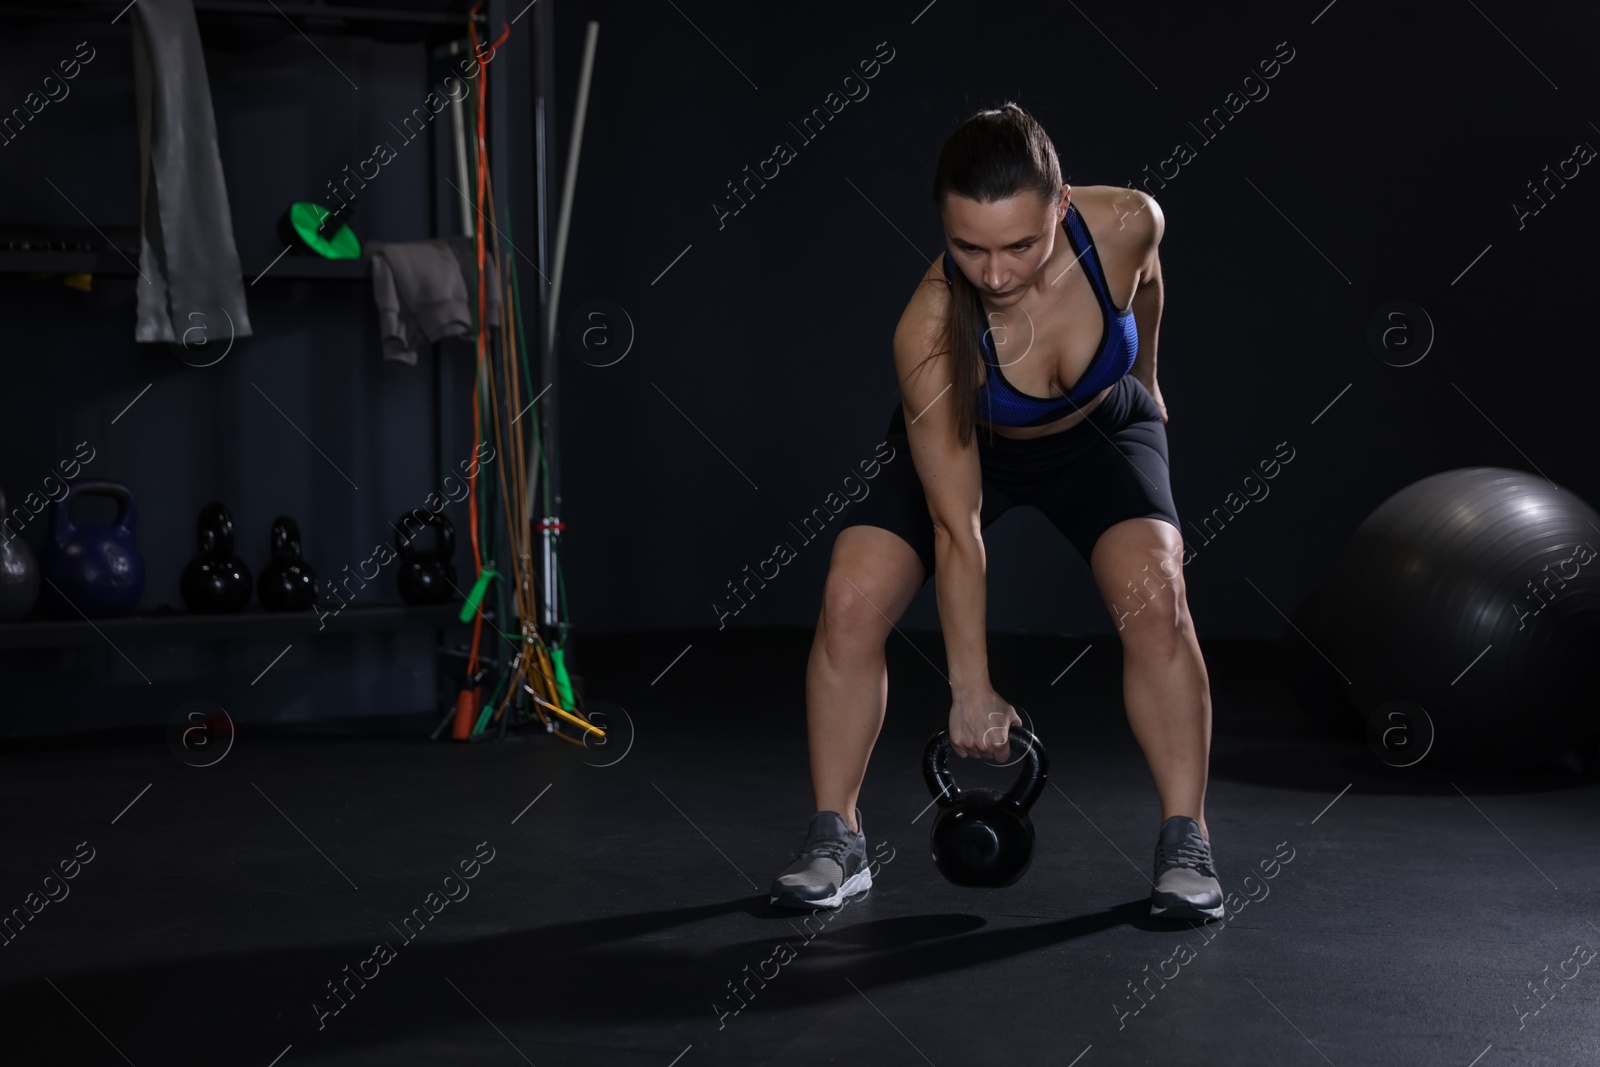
[1148, 227]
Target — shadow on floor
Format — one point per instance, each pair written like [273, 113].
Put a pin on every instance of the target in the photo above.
[572, 975]
[1324, 766]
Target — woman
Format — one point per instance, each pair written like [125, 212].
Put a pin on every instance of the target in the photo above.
[1001, 321]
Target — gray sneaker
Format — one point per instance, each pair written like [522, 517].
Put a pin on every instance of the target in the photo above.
[830, 865]
[1186, 885]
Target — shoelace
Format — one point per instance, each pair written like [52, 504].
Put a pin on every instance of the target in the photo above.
[832, 847]
[1191, 852]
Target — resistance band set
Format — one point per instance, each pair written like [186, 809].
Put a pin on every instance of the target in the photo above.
[505, 415]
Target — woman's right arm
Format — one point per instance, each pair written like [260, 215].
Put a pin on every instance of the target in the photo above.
[953, 482]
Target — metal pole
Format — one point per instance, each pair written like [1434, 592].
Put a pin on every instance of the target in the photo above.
[569, 184]
[544, 105]
[458, 140]
[552, 531]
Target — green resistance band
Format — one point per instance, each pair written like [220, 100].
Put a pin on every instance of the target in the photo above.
[558, 656]
[475, 598]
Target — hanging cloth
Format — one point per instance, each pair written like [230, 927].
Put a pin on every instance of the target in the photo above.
[188, 263]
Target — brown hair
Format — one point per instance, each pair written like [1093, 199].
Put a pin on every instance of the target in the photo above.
[995, 154]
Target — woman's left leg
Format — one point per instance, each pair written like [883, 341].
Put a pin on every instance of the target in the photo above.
[1108, 490]
[1137, 564]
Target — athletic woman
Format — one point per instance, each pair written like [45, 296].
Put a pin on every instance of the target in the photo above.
[1036, 325]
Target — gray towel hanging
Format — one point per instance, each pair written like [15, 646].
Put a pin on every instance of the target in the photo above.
[188, 262]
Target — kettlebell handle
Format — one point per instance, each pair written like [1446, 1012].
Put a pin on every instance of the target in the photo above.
[445, 544]
[127, 515]
[215, 530]
[1021, 796]
[285, 537]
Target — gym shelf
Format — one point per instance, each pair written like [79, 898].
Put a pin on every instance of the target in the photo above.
[244, 626]
[335, 18]
[109, 264]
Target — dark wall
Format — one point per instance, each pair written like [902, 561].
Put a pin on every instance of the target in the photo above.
[303, 418]
[1385, 163]
[1384, 157]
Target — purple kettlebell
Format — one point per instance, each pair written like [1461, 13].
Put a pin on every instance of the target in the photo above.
[93, 569]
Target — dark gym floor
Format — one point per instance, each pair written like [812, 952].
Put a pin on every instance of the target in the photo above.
[617, 904]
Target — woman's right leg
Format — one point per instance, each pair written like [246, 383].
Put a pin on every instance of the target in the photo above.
[872, 578]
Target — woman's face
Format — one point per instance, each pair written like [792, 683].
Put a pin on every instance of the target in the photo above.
[1002, 247]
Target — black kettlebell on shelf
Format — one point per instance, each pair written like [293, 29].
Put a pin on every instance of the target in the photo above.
[287, 582]
[93, 568]
[216, 582]
[19, 574]
[425, 577]
[980, 837]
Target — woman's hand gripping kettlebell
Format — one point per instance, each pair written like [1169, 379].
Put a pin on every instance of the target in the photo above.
[980, 725]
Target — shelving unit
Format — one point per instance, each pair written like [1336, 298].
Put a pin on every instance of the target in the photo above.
[108, 263]
[390, 23]
[246, 625]
[516, 117]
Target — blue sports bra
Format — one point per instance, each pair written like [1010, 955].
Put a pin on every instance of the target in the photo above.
[1000, 404]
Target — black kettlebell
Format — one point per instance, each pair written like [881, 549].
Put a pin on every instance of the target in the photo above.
[287, 582]
[425, 577]
[216, 581]
[982, 837]
[19, 573]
